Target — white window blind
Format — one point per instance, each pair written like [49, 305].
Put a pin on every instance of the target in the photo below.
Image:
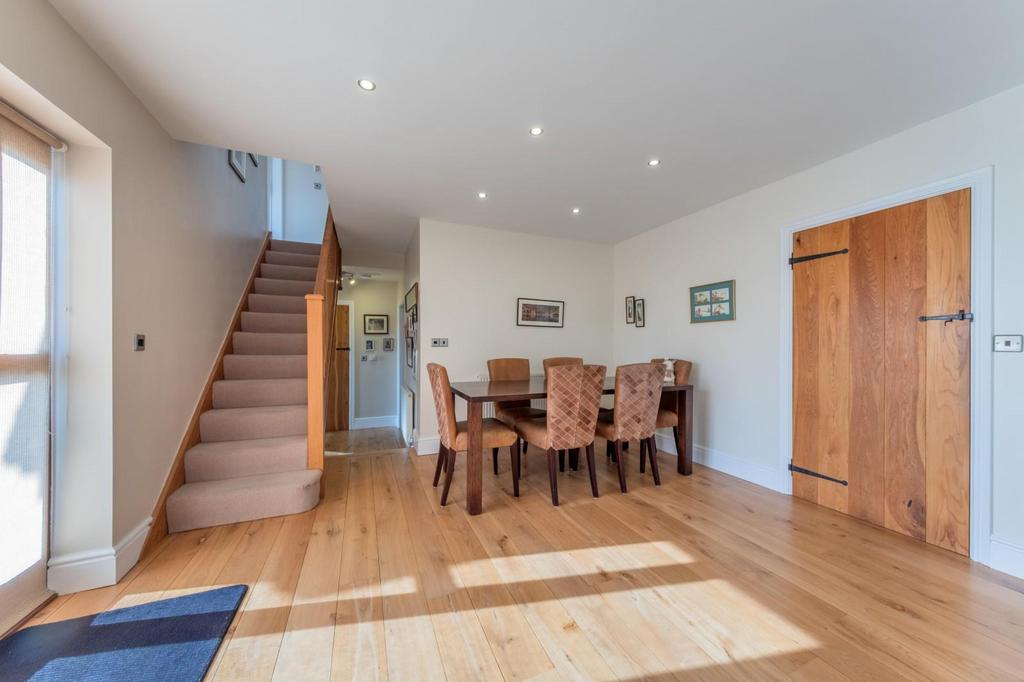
[25, 186]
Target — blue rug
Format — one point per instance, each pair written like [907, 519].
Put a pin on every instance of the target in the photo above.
[171, 639]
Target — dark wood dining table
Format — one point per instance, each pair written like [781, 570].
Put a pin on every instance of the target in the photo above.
[476, 393]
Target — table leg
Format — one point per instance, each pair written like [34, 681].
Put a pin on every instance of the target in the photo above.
[684, 433]
[474, 458]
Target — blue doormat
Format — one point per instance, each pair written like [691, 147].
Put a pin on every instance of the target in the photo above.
[170, 639]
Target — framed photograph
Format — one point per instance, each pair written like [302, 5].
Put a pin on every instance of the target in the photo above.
[412, 297]
[389, 344]
[630, 310]
[410, 359]
[538, 312]
[255, 158]
[236, 160]
[375, 324]
[369, 345]
[713, 302]
[639, 312]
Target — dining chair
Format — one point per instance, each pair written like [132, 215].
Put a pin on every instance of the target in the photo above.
[454, 436]
[574, 397]
[637, 398]
[667, 416]
[561, 362]
[511, 411]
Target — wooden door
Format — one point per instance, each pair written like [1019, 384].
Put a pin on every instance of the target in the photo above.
[337, 419]
[881, 398]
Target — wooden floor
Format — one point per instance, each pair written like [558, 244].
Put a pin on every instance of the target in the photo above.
[706, 577]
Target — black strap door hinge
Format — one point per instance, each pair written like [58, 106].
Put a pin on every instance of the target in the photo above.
[960, 315]
[807, 472]
[793, 260]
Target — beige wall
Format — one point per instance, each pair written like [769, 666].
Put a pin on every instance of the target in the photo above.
[737, 367]
[169, 259]
[470, 278]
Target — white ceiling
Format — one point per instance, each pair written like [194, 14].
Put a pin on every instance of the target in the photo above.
[730, 94]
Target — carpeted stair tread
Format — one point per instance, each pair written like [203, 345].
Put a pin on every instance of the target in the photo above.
[294, 247]
[292, 323]
[267, 343]
[229, 393]
[243, 423]
[269, 303]
[239, 366]
[282, 287]
[237, 458]
[295, 272]
[306, 260]
[232, 500]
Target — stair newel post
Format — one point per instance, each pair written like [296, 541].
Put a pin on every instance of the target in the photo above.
[314, 381]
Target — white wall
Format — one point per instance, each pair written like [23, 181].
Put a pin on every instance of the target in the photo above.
[375, 393]
[470, 278]
[410, 376]
[737, 369]
[305, 208]
[162, 239]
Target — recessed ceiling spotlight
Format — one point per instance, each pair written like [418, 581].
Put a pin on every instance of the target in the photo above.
[366, 84]
[654, 162]
[481, 195]
[536, 130]
[576, 211]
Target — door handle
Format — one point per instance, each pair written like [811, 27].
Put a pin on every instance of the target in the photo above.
[961, 315]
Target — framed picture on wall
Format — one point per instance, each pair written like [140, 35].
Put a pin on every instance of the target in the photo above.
[639, 312]
[410, 361]
[539, 312]
[236, 160]
[630, 309]
[713, 302]
[369, 345]
[412, 297]
[375, 324]
[389, 344]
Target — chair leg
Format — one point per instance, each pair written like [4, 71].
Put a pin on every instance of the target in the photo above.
[553, 476]
[620, 457]
[590, 468]
[652, 448]
[494, 458]
[448, 474]
[574, 459]
[561, 460]
[515, 468]
[625, 445]
[643, 454]
[675, 434]
[609, 449]
[526, 446]
[440, 464]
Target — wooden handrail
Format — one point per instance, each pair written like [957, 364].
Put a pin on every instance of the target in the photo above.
[320, 342]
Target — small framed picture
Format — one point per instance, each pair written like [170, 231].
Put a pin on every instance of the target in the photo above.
[412, 297]
[538, 312]
[236, 160]
[713, 302]
[639, 312]
[389, 344]
[410, 356]
[375, 324]
[630, 310]
[369, 345]
[255, 158]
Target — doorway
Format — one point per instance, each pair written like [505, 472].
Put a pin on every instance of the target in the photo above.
[340, 412]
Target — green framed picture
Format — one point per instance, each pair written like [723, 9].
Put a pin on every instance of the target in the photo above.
[713, 302]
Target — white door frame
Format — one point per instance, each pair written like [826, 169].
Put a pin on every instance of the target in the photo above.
[980, 184]
[351, 360]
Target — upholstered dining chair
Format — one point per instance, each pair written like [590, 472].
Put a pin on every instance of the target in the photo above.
[509, 412]
[560, 362]
[667, 409]
[454, 435]
[637, 398]
[574, 397]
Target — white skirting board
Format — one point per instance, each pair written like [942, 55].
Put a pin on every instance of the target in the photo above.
[375, 422]
[1006, 556]
[739, 467]
[94, 568]
[428, 446]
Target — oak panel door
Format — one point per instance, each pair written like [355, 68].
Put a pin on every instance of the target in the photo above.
[339, 380]
[881, 399]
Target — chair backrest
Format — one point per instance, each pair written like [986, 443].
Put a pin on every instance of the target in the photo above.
[560, 362]
[681, 375]
[574, 398]
[444, 403]
[637, 397]
[509, 369]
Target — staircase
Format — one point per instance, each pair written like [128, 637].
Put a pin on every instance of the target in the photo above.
[251, 460]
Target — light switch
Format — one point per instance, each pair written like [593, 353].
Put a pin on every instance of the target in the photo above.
[140, 342]
[1008, 343]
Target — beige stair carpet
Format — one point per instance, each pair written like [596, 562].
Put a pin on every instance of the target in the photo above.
[250, 462]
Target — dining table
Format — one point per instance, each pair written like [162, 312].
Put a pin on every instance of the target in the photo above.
[477, 393]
